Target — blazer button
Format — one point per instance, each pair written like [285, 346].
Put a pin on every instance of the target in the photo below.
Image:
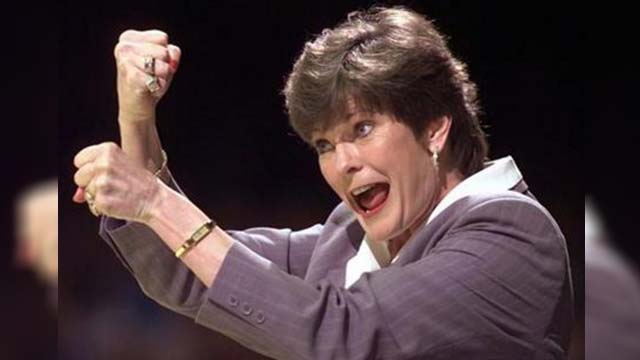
[233, 301]
[260, 317]
[246, 309]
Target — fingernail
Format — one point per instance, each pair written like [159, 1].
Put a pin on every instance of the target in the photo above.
[79, 195]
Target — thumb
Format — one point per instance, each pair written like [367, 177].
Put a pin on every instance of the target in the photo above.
[79, 195]
[174, 57]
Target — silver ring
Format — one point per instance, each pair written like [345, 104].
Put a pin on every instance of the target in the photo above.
[91, 202]
[153, 84]
[150, 65]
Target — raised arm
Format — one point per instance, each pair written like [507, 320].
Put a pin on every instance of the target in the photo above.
[136, 103]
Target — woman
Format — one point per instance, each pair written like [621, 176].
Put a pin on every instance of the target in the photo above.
[431, 254]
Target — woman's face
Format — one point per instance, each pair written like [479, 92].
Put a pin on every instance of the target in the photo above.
[378, 168]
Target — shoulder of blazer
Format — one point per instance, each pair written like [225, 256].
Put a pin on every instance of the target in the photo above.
[477, 201]
[487, 201]
[491, 201]
[482, 199]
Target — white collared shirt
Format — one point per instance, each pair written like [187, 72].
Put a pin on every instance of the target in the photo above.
[497, 175]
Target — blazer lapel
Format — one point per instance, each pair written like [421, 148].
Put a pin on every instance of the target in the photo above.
[331, 255]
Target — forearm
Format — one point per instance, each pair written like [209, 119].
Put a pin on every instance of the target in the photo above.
[141, 142]
[175, 218]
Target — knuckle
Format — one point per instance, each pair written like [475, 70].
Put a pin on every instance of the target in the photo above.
[105, 185]
[106, 164]
[127, 34]
[165, 54]
[110, 146]
[100, 166]
[102, 183]
[163, 38]
[120, 49]
[159, 52]
[160, 36]
[176, 50]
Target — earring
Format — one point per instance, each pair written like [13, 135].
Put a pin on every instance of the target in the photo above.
[434, 158]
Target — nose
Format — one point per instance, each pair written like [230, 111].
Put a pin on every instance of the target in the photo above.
[347, 158]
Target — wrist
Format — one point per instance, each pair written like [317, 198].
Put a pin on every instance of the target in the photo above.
[136, 119]
[164, 208]
[159, 196]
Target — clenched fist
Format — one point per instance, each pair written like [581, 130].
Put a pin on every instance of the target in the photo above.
[119, 188]
[136, 102]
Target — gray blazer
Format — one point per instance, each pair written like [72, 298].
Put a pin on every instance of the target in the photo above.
[488, 278]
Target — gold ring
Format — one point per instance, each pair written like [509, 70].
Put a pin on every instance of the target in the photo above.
[150, 65]
[153, 84]
[91, 202]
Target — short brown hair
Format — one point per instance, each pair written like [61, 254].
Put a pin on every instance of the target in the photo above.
[387, 60]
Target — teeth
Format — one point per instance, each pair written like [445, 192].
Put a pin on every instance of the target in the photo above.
[361, 189]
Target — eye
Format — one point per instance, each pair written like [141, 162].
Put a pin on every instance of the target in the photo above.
[363, 128]
[323, 146]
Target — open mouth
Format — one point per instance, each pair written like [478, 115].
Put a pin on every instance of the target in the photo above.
[370, 198]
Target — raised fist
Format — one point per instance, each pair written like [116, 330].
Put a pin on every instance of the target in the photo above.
[146, 65]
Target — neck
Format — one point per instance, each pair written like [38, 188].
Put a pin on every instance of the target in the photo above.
[448, 181]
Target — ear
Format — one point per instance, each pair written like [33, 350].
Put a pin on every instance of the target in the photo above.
[437, 132]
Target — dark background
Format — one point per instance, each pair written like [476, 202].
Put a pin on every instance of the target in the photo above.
[29, 68]
[233, 153]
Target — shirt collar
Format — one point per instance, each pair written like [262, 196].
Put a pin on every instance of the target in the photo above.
[497, 175]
